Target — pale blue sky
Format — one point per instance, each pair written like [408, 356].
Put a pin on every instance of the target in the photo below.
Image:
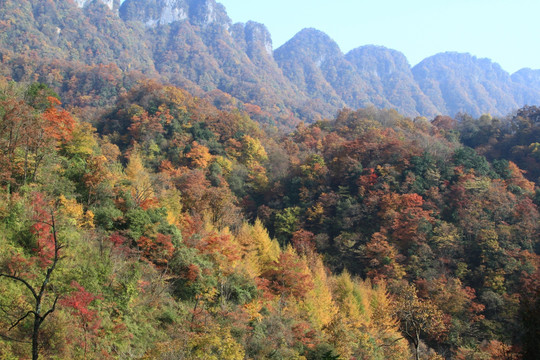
[506, 31]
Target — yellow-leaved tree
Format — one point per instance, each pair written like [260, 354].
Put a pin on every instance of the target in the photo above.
[258, 250]
[364, 326]
[138, 180]
[253, 154]
[267, 249]
[319, 302]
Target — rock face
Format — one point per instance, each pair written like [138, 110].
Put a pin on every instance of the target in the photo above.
[162, 12]
[154, 12]
[258, 37]
[112, 4]
[206, 12]
[194, 44]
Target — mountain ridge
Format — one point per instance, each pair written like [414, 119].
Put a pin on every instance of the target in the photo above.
[194, 44]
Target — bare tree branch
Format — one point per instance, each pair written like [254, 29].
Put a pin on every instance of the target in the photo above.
[393, 342]
[23, 281]
[21, 319]
[51, 309]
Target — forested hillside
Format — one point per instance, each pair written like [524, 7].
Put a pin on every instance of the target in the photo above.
[163, 227]
[139, 231]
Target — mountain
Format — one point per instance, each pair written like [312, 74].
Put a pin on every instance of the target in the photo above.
[463, 83]
[194, 44]
[527, 77]
[62, 30]
[315, 64]
[389, 75]
[368, 75]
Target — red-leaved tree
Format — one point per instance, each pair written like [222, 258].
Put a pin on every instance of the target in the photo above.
[78, 302]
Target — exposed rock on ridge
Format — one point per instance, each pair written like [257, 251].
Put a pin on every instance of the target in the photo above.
[112, 4]
[162, 12]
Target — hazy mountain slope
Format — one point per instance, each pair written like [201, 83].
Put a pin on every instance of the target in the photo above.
[301, 59]
[463, 83]
[194, 44]
[314, 63]
[196, 40]
[528, 81]
[389, 76]
[527, 77]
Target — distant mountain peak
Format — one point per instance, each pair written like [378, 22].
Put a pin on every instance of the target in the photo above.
[463, 63]
[527, 77]
[258, 33]
[314, 39]
[311, 45]
[378, 60]
[461, 82]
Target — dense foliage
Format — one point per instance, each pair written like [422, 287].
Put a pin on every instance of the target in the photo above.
[397, 201]
[154, 257]
[179, 230]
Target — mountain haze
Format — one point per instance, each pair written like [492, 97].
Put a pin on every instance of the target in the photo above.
[389, 75]
[527, 77]
[311, 60]
[194, 44]
[461, 82]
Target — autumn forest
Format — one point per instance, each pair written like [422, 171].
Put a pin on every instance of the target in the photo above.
[145, 220]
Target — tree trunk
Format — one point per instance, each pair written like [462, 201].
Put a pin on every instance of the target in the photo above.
[416, 346]
[35, 339]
